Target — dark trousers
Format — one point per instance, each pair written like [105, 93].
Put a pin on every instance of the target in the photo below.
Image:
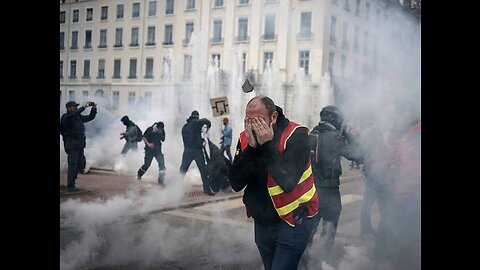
[329, 214]
[224, 148]
[281, 246]
[146, 164]
[129, 146]
[190, 155]
[76, 163]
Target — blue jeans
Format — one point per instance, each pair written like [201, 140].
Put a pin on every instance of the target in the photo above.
[281, 246]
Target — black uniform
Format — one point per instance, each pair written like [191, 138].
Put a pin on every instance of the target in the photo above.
[327, 170]
[74, 141]
[156, 152]
[193, 148]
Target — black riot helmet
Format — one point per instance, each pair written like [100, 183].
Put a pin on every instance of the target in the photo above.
[332, 115]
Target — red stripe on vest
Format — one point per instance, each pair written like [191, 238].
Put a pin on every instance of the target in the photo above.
[283, 199]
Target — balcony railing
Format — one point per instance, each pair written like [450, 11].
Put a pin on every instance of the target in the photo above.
[269, 37]
[216, 40]
[102, 46]
[242, 39]
[168, 42]
[186, 41]
[118, 45]
[305, 36]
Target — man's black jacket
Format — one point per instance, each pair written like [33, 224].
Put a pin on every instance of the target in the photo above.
[73, 129]
[249, 170]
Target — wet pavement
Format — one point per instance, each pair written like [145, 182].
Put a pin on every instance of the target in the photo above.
[193, 231]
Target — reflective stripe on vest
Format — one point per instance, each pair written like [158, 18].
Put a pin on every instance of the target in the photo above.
[305, 191]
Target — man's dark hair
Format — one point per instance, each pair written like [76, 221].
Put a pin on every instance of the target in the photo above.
[268, 102]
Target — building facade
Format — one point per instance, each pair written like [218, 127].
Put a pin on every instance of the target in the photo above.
[126, 50]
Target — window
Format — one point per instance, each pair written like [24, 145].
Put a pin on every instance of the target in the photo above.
[169, 7]
[152, 8]
[217, 31]
[136, 10]
[244, 2]
[118, 37]
[134, 37]
[355, 39]
[120, 11]
[73, 69]
[89, 15]
[168, 35]
[71, 95]
[103, 38]
[344, 64]
[62, 40]
[190, 4]
[269, 27]
[151, 35]
[61, 69]
[131, 99]
[305, 24]
[367, 10]
[365, 42]
[76, 15]
[303, 60]
[147, 98]
[331, 59]
[243, 29]
[216, 59]
[270, 1]
[345, 35]
[333, 29]
[86, 69]
[101, 69]
[115, 100]
[84, 96]
[104, 15]
[149, 68]
[99, 93]
[88, 39]
[357, 7]
[244, 63]
[188, 32]
[116, 68]
[218, 3]
[346, 5]
[132, 74]
[62, 16]
[267, 59]
[187, 66]
[74, 40]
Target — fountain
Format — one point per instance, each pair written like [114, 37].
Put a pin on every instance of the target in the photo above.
[301, 99]
[177, 96]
